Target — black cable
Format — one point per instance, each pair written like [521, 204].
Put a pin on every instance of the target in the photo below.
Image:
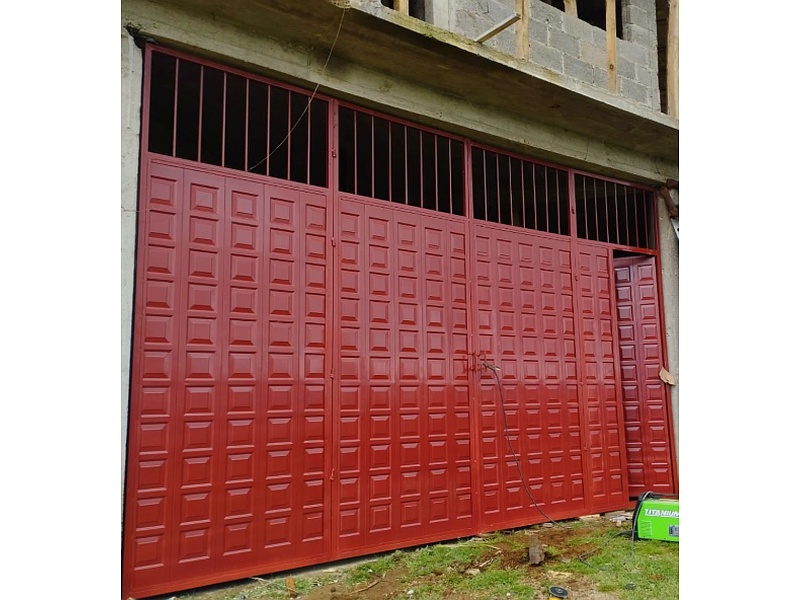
[495, 369]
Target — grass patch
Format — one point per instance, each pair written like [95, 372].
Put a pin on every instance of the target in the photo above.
[581, 556]
[644, 570]
[374, 568]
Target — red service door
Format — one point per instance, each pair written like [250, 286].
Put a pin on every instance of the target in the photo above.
[645, 398]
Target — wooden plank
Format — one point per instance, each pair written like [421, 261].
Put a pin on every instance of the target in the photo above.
[522, 30]
[611, 44]
[571, 7]
[401, 6]
[672, 59]
[494, 30]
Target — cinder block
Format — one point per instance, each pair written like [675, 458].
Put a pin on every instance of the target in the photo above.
[578, 69]
[646, 38]
[547, 57]
[568, 44]
[634, 91]
[594, 55]
[601, 78]
[538, 31]
[580, 29]
[547, 14]
[626, 68]
[633, 52]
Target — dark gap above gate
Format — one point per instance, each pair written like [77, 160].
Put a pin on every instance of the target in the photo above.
[513, 191]
[216, 117]
[388, 160]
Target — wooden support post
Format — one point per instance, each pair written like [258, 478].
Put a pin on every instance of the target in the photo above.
[672, 59]
[611, 44]
[571, 7]
[401, 6]
[522, 29]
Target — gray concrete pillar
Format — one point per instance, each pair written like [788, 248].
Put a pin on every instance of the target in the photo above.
[132, 69]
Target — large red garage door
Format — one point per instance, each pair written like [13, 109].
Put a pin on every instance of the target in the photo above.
[317, 333]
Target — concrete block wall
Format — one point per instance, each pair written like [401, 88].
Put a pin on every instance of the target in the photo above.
[569, 46]
[637, 53]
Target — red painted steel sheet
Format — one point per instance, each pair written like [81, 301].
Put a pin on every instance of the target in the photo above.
[401, 398]
[227, 453]
[648, 436]
[603, 415]
[526, 326]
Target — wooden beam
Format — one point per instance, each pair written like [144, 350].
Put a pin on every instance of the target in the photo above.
[611, 44]
[571, 7]
[522, 30]
[401, 6]
[672, 59]
[494, 30]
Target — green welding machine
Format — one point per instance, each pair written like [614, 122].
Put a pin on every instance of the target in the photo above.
[656, 517]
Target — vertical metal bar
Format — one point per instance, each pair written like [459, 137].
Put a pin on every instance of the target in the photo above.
[627, 225]
[558, 204]
[485, 186]
[511, 189]
[596, 218]
[268, 153]
[522, 183]
[421, 171]
[224, 113]
[372, 154]
[200, 118]
[605, 202]
[546, 200]
[289, 135]
[535, 200]
[246, 121]
[355, 151]
[585, 208]
[308, 139]
[636, 217]
[389, 154]
[436, 171]
[497, 184]
[450, 175]
[175, 109]
[616, 212]
[405, 162]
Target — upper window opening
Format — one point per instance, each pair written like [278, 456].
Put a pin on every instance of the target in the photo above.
[216, 117]
[392, 161]
[614, 212]
[515, 191]
[416, 8]
[591, 11]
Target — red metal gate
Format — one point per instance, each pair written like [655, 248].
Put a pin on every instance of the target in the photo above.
[310, 376]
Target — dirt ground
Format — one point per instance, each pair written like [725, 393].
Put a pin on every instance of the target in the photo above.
[330, 581]
[502, 555]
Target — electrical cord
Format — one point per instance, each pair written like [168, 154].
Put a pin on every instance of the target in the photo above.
[344, 8]
[496, 370]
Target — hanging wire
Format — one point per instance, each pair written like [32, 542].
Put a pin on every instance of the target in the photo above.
[344, 6]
